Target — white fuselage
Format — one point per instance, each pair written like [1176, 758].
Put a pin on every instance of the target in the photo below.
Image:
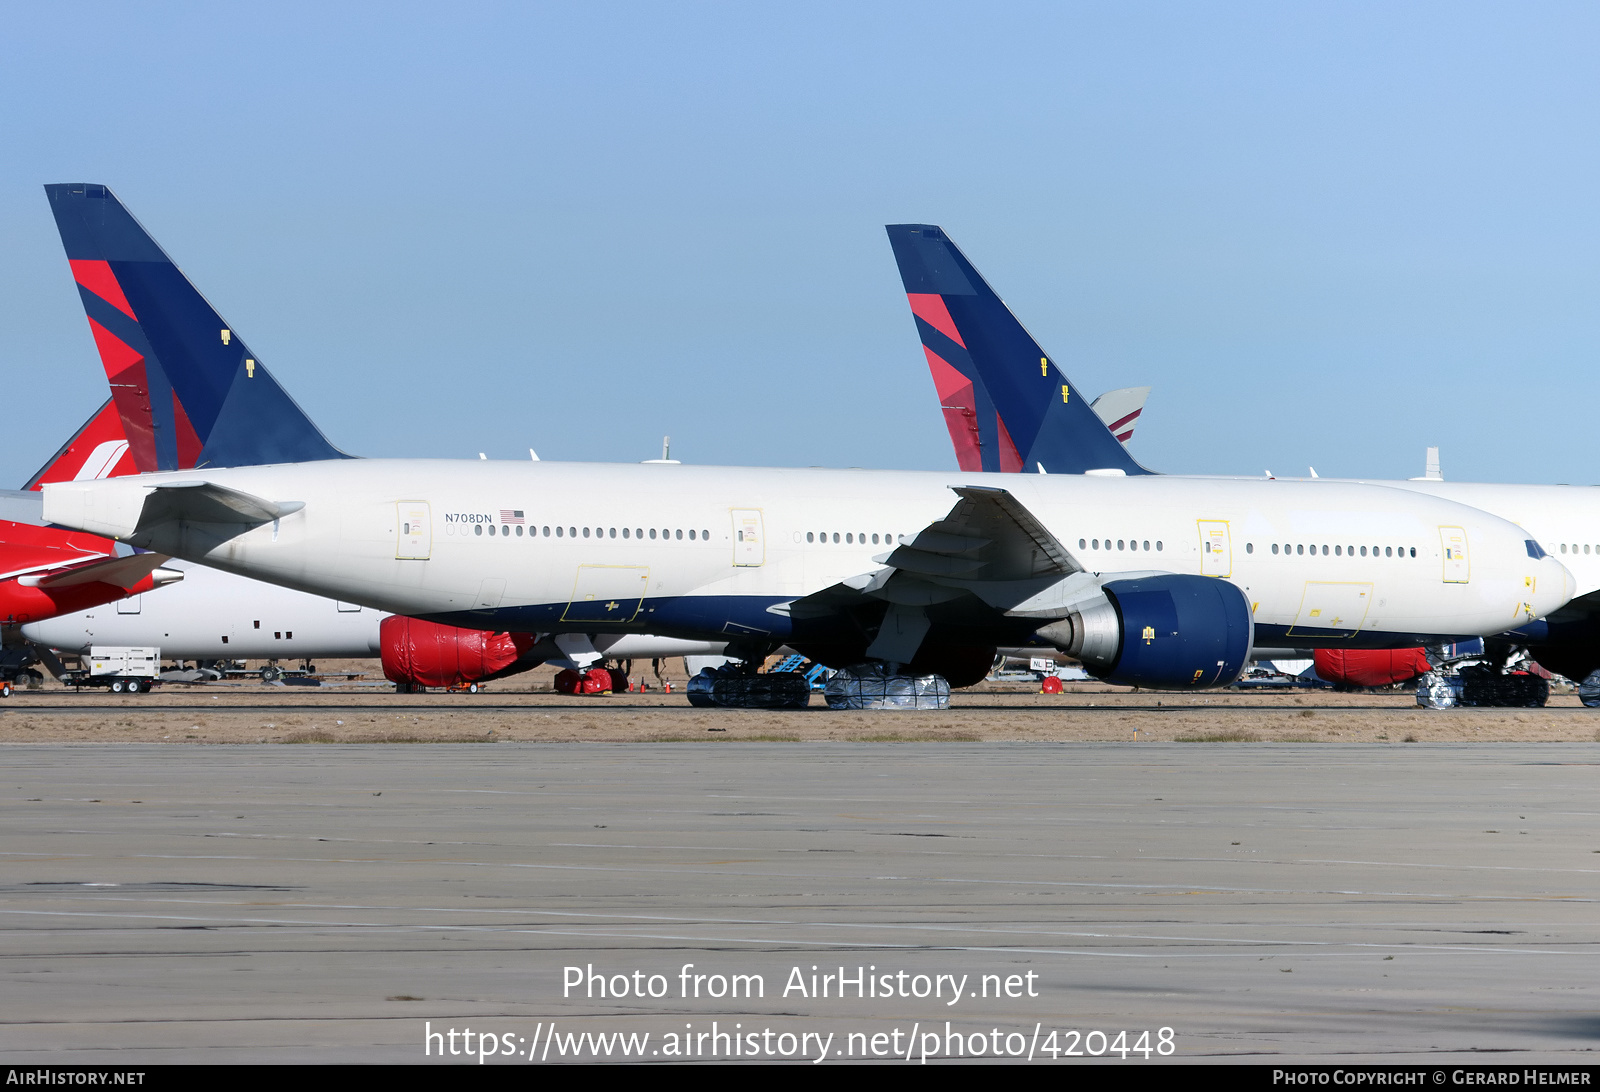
[1564, 519]
[214, 615]
[721, 547]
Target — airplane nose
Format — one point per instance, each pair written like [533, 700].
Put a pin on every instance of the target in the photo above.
[1555, 587]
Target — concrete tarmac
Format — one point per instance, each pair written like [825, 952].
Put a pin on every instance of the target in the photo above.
[1260, 902]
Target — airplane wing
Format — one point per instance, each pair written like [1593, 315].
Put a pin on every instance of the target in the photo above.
[988, 536]
[988, 566]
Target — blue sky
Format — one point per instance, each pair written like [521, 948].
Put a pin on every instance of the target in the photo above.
[1327, 234]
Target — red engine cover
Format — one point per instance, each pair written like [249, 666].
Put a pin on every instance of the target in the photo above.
[429, 654]
[1370, 667]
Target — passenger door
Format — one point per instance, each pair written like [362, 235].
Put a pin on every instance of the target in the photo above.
[1216, 548]
[749, 538]
[413, 531]
[1453, 549]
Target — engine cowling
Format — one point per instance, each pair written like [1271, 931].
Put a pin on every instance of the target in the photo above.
[429, 654]
[1168, 632]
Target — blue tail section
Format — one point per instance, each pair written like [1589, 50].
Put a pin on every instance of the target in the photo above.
[190, 391]
[1007, 405]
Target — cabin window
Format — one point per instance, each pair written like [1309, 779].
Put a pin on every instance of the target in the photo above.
[1274, 547]
[1158, 545]
[808, 536]
[652, 532]
[477, 528]
[1249, 547]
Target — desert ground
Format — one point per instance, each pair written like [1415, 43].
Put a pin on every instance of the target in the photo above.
[364, 709]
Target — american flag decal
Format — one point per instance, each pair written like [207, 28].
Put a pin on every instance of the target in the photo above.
[510, 515]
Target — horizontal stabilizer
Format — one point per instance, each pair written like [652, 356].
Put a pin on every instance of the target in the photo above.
[21, 506]
[132, 511]
[207, 502]
[124, 572]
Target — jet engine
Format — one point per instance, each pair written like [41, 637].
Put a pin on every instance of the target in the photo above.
[420, 654]
[1166, 632]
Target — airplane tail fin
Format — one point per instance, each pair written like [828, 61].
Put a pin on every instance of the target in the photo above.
[188, 389]
[1120, 410]
[99, 449]
[1007, 405]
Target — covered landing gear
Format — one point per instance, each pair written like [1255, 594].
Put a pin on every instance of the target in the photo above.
[1484, 680]
[593, 682]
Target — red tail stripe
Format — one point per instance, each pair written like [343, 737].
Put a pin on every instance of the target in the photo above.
[1010, 459]
[97, 277]
[930, 308]
[1122, 421]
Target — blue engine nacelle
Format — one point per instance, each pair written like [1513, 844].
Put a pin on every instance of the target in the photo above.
[1167, 632]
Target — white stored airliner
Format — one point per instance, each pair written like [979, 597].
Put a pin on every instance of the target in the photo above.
[983, 359]
[188, 391]
[1157, 581]
[1151, 580]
